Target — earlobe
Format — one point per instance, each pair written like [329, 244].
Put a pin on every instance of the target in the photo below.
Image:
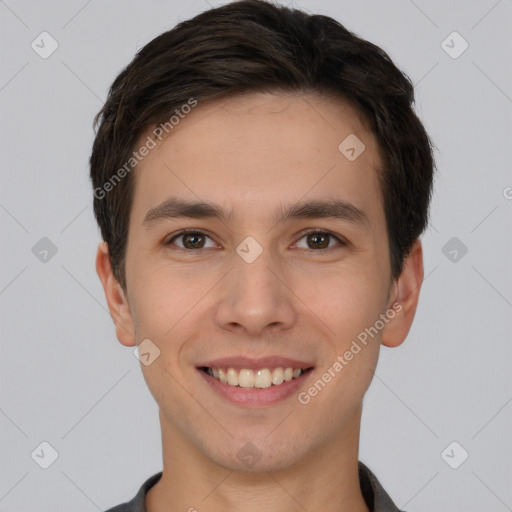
[404, 298]
[116, 298]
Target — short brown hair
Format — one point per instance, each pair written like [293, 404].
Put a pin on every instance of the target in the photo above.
[255, 46]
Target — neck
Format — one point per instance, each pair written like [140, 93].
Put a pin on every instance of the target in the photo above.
[327, 479]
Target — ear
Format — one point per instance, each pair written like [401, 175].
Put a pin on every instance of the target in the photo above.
[116, 298]
[404, 298]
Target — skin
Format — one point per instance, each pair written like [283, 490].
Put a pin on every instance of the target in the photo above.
[251, 154]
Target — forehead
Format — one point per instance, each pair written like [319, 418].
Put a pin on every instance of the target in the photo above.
[256, 149]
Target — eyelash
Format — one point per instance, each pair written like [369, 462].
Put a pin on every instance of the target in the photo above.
[341, 241]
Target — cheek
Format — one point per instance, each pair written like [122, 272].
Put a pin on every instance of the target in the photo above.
[351, 308]
[354, 344]
[163, 313]
[350, 300]
[164, 296]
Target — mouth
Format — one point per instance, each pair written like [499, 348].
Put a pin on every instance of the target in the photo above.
[255, 383]
[250, 378]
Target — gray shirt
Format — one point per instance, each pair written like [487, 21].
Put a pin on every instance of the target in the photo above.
[377, 499]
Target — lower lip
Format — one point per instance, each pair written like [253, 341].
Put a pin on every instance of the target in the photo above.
[255, 397]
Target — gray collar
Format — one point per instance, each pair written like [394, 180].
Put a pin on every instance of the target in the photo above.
[377, 499]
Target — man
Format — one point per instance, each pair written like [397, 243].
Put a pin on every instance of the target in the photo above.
[261, 182]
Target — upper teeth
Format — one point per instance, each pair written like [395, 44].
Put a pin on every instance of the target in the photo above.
[247, 378]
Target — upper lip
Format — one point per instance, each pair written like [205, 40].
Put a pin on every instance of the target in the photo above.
[256, 363]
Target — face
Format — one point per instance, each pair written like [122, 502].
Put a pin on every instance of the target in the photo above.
[284, 265]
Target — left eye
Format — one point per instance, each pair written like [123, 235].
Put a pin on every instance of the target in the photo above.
[319, 240]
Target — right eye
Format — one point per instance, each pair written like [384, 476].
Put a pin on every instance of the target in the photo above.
[192, 239]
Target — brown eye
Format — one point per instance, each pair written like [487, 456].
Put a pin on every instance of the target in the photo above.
[192, 240]
[320, 240]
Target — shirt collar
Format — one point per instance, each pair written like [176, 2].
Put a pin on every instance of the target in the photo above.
[377, 499]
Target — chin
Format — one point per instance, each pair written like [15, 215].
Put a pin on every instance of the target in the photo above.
[258, 455]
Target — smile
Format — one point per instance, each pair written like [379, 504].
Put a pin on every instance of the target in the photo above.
[261, 378]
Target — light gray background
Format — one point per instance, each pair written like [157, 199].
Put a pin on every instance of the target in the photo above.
[67, 381]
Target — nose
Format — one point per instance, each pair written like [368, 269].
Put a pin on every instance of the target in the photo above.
[255, 297]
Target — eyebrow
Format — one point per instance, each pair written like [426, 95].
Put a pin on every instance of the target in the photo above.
[174, 208]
